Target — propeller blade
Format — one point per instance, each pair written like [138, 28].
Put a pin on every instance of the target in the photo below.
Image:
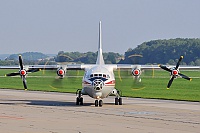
[13, 74]
[126, 79]
[20, 62]
[24, 82]
[170, 82]
[57, 83]
[137, 79]
[184, 76]
[179, 61]
[165, 68]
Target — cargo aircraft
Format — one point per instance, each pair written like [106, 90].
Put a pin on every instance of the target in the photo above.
[99, 80]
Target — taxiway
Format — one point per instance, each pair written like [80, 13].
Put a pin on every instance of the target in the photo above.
[49, 112]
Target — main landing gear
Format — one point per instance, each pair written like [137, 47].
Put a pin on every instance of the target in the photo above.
[118, 99]
[79, 99]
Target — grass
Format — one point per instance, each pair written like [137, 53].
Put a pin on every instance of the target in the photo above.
[153, 84]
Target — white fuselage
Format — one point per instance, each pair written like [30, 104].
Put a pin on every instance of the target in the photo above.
[98, 81]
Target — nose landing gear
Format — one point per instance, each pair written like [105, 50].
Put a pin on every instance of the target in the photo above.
[98, 103]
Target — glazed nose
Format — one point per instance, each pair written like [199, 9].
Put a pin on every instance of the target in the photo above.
[98, 84]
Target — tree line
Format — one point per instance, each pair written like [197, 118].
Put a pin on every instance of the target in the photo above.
[152, 52]
[87, 58]
[165, 52]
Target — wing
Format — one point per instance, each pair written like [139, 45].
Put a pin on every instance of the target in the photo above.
[9, 67]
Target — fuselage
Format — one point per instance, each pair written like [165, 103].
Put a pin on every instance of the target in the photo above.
[98, 81]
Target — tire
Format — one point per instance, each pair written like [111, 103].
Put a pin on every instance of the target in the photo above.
[77, 101]
[100, 103]
[96, 103]
[116, 101]
[120, 101]
[81, 101]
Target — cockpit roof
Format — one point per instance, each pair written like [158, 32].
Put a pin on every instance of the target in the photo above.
[98, 69]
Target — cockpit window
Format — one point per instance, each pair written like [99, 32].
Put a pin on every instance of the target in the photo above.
[100, 75]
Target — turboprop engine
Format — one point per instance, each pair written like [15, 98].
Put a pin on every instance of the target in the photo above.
[61, 72]
[174, 72]
[23, 72]
[136, 72]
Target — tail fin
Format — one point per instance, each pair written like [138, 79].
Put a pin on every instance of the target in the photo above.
[100, 60]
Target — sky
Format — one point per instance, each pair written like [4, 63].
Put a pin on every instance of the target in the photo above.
[50, 26]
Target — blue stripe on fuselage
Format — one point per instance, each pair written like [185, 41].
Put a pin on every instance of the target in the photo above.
[103, 79]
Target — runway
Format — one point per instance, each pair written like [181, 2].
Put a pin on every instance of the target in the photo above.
[49, 112]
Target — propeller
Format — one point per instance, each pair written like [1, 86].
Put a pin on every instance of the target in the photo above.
[136, 72]
[22, 72]
[129, 79]
[174, 72]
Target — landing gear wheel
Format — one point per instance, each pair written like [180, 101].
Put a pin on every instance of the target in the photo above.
[120, 101]
[116, 101]
[100, 103]
[79, 99]
[96, 103]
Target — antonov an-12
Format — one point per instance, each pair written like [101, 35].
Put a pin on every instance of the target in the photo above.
[99, 80]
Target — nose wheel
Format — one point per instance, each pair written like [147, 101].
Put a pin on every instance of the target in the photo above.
[98, 103]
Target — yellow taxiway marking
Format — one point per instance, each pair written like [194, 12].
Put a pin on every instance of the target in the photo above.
[52, 87]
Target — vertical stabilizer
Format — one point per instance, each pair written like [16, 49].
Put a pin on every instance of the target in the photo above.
[100, 60]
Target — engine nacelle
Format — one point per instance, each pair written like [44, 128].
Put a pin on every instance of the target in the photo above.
[136, 72]
[174, 73]
[114, 92]
[61, 72]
